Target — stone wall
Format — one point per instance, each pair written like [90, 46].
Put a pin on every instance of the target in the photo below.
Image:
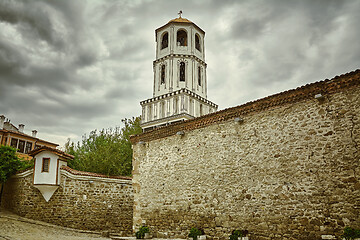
[288, 171]
[81, 202]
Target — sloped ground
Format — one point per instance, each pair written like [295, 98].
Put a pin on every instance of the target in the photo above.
[13, 227]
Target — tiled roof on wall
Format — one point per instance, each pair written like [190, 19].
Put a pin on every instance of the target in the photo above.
[53, 150]
[89, 174]
[325, 87]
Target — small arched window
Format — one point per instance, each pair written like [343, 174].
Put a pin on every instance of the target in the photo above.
[149, 113]
[182, 72]
[197, 42]
[181, 38]
[165, 41]
[162, 77]
[163, 109]
[175, 105]
[199, 76]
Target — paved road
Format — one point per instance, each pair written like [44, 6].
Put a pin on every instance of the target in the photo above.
[13, 227]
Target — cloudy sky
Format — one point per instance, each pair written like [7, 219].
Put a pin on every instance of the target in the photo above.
[68, 67]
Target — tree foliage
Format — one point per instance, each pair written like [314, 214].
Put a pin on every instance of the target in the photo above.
[107, 151]
[10, 163]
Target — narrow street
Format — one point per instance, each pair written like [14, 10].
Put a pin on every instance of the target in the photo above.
[13, 227]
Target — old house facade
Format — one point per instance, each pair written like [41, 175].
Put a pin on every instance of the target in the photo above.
[15, 137]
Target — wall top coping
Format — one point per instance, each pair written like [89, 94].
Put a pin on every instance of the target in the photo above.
[79, 175]
[308, 91]
[89, 174]
[23, 174]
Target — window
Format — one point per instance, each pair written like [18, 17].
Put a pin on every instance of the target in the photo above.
[21, 146]
[199, 76]
[191, 107]
[45, 165]
[14, 142]
[149, 113]
[175, 105]
[165, 41]
[182, 72]
[181, 38]
[197, 42]
[162, 78]
[201, 109]
[28, 147]
[162, 109]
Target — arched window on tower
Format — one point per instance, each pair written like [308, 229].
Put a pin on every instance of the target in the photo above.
[149, 113]
[175, 105]
[182, 72]
[165, 41]
[181, 38]
[197, 42]
[163, 109]
[162, 77]
[199, 76]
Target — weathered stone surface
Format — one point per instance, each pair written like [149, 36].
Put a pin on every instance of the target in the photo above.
[289, 172]
[100, 205]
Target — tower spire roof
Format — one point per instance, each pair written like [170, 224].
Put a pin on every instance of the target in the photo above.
[180, 20]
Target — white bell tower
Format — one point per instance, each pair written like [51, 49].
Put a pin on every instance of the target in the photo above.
[180, 84]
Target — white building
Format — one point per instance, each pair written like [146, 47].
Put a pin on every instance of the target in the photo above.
[47, 164]
[180, 84]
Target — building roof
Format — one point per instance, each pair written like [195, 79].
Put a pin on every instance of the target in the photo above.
[325, 87]
[181, 21]
[62, 154]
[26, 135]
[90, 174]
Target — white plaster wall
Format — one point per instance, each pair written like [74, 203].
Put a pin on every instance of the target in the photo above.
[172, 76]
[173, 48]
[172, 64]
[183, 105]
[45, 177]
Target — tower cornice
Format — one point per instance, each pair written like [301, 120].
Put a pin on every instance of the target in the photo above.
[173, 55]
[181, 91]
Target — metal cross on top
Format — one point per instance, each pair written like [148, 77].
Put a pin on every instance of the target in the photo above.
[180, 12]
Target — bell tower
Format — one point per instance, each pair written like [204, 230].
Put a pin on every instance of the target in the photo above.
[180, 83]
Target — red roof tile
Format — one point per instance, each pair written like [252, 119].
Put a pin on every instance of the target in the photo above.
[325, 87]
[53, 150]
[89, 174]
[26, 135]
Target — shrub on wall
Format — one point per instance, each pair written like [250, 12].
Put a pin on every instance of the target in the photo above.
[351, 233]
[194, 233]
[141, 233]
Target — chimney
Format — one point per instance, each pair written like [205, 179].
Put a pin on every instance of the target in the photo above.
[34, 132]
[2, 120]
[21, 128]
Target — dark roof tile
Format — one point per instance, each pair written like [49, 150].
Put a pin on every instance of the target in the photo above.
[307, 91]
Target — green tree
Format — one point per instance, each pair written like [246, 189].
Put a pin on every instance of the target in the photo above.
[10, 163]
[107, 151]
